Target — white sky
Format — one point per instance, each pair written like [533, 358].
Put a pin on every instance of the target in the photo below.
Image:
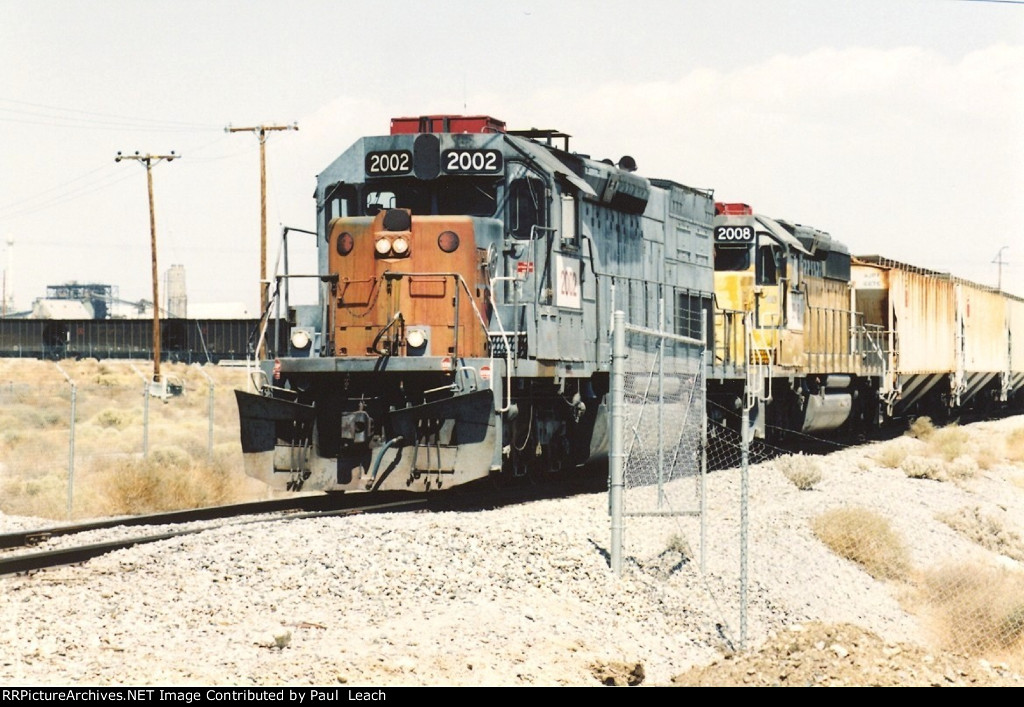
[895, 125]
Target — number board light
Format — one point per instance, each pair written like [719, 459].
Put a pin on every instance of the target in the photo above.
[734, 234]
[387, 163]
[472, 161]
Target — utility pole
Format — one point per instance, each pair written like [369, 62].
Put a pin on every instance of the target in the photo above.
[261, 131]
[148, 161]
[999, 260]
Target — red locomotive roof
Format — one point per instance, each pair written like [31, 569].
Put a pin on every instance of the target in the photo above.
[737, 209]
[447, 124]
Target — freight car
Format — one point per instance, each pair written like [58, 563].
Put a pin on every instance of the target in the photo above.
[468, 274]
[187, 340]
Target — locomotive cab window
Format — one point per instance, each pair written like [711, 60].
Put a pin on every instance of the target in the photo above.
[340, 201]
[527, 206]
[401, 195]
[450, 196]
[771, 264]
[467, 196]
[732, 259]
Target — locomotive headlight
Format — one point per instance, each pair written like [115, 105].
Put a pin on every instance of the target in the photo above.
[415, 338]
[383, 246]
[300, 339]
[400, 245]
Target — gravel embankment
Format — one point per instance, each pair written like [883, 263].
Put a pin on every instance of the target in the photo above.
[514, 596]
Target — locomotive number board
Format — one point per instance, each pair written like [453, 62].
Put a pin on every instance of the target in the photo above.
[472, 161]
[737, 235]
[388, 162]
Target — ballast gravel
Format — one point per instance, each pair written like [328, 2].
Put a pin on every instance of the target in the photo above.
[516, 596]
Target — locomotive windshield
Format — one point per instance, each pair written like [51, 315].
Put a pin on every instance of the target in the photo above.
[445, 196]
[732, 259]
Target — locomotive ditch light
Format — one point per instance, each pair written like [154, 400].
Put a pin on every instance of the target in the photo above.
[345, 243]
[448, 241]
[300, 339]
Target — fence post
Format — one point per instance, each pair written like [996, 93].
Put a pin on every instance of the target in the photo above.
[71, 441]
[209, 446]
[145, 412]
[616, 446]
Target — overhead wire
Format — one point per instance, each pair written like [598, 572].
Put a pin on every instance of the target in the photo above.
[56, 116]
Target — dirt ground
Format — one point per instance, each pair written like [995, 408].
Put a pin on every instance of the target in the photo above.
[820, 655]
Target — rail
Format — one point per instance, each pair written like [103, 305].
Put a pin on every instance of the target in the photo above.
[287, 509]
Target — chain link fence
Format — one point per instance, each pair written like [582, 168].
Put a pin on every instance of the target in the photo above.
[86, 438]
[664, 444]
[658, 419]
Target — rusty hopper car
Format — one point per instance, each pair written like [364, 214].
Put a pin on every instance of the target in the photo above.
[468, 274]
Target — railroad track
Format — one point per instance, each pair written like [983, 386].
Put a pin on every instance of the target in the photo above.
[278, 510]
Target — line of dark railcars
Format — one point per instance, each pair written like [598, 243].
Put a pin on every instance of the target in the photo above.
[184, 340]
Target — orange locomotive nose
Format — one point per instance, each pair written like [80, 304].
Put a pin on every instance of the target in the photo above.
[414, 278]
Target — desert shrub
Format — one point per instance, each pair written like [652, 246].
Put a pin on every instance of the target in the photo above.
[986, 530]
[678, 544]
[963, 467]
[891, 456]
[977, 609]
[917, 467]
[168, 480]
[1015, 445]
[921, 428]
[169, 458]
[38, 496]
[864, 537]
[986, 458]
[111, 418]
[949, 442]
[804, 472]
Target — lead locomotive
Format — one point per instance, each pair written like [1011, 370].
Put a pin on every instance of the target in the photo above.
[468, 276]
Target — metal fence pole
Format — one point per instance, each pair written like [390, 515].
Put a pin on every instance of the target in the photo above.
[616, 446]
[661, 404]
[71, 442]
[702, 372]
[752, 405]
[145, 412]
[209, 446]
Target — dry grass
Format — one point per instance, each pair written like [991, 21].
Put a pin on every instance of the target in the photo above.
[986, 530]
[891, 455]
[977, 609]
[949, 442]
[804, 472]
[1015, 445]
[942, 453]
[921, 428]
[120, 467]
[866, 538]
[139, 486]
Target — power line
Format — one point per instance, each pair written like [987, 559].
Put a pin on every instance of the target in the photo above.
[82, 118]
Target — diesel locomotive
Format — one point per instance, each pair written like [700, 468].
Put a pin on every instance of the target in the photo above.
[468, 274]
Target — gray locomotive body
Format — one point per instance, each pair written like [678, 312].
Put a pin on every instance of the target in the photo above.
[468, 275]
